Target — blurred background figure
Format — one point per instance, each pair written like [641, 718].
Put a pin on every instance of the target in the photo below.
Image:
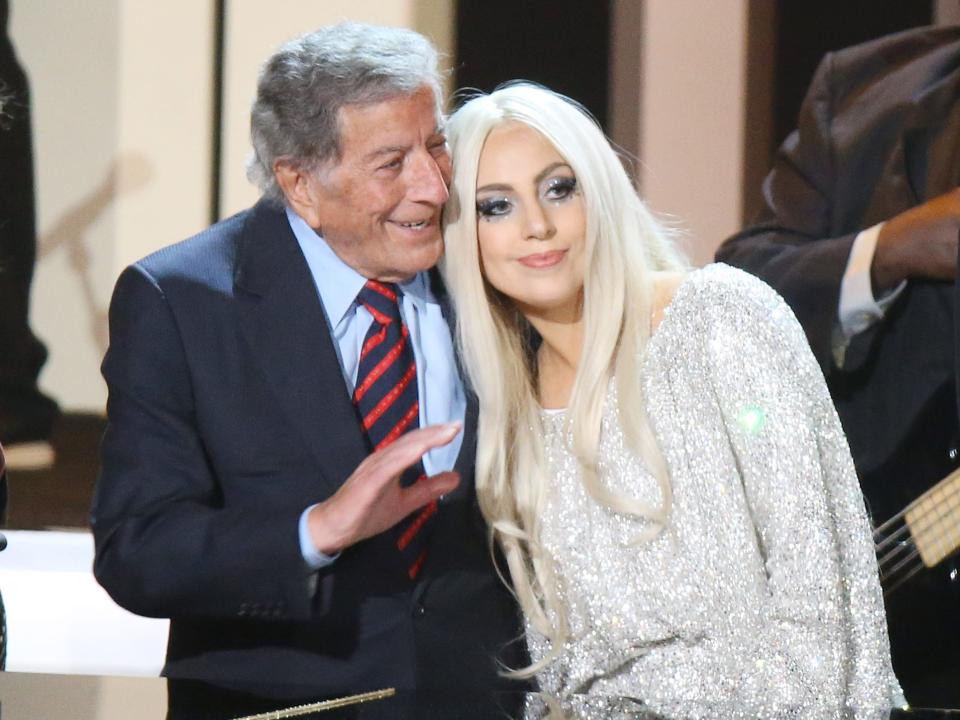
[27, 416]
[3, 545]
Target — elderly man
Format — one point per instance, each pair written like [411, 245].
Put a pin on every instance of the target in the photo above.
[263, 482]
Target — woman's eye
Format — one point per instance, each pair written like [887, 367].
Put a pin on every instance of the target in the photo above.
[561, 188]
[493, 207]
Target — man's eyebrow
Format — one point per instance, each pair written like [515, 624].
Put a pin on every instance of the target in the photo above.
[506, 187]
[380, 152]
[391, 149]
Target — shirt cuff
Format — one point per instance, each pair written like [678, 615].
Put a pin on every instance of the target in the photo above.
[313, 557]
[859, 309]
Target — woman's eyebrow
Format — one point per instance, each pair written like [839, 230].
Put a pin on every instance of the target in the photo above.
[549, 169]
[503, 187]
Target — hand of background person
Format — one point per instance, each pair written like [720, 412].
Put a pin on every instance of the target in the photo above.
[372, 500]
[919, 243]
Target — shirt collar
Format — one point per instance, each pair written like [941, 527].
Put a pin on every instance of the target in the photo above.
[341, 283]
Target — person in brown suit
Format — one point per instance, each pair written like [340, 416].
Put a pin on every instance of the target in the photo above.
[858, 232]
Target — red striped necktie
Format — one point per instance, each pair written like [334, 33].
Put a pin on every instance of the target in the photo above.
[387, 402]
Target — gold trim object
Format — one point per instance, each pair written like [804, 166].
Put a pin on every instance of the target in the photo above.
[321, 706]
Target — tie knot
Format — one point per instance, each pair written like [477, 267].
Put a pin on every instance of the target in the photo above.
[381, 300]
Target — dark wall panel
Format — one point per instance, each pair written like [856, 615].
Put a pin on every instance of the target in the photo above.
[563, 44]
[808, 29]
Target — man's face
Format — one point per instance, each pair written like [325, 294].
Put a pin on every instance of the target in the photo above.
[379, 207]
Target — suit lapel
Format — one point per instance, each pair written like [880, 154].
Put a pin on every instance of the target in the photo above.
[930, 143]
[283, 322]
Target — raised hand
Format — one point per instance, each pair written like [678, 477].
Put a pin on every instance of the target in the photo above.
[372, 500]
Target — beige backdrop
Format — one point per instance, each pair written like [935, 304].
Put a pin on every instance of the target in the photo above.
[123, 125]
[122, 103]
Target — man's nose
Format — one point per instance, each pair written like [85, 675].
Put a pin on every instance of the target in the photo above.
[427, 181]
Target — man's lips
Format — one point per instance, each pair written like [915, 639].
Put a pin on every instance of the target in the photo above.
[414, 224]
[543, 260]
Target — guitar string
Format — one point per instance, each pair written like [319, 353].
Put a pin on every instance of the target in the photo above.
[888, 591]
[903, 558]
[952, 493]
[891, 538]
[932, 515]
[893, 577]
[937, 522]
[903, 562]
[895, 554]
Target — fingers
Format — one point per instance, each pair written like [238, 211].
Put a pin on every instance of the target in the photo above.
[427, 438]
[410, 447]
[427, 489]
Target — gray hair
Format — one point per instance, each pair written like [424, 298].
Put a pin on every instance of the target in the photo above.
[304, 84]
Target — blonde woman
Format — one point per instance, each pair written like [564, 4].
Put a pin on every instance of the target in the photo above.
[658, 456]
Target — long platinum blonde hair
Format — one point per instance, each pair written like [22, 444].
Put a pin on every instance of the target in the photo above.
[624, 245]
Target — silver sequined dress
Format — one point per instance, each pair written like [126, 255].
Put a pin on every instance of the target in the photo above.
[762, 594]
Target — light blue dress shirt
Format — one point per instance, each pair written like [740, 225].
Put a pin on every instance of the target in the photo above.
[439, 386]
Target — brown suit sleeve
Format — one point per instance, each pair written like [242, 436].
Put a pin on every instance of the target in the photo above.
[790, 245]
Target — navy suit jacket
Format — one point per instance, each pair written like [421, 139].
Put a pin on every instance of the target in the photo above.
[227, 417]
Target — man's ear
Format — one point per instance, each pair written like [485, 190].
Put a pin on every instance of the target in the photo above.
[300, 188]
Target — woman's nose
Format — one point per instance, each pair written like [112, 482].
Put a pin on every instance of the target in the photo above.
[539, 225]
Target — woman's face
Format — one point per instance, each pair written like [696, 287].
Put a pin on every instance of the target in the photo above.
[531, 223]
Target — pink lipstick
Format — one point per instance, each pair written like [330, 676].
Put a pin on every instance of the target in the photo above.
[543, 260]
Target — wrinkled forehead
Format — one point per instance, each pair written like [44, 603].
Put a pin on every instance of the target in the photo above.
[394, 120]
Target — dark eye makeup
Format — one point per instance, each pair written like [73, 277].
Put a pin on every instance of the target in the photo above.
[559, 188]
[555, 189]
[493, 207]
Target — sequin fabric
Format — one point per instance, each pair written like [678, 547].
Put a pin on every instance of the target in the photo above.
[761, 598]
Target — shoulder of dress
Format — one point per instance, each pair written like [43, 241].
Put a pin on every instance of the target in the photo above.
[720, 289]
[718, 307]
